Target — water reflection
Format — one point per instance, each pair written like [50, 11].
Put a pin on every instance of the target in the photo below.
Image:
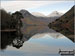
[17, 40]
[10, 38]
[41, 46]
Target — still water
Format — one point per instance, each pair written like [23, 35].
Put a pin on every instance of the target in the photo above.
[46, 43]
[42, 46]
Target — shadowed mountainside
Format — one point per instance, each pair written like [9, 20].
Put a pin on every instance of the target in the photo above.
[65, 24]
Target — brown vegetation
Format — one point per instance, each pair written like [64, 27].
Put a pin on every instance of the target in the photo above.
[65, 24]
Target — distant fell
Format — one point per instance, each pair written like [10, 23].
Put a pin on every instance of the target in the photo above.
[55, 14]
[37, 14]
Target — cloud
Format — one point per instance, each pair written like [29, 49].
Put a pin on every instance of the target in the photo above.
[11, 6]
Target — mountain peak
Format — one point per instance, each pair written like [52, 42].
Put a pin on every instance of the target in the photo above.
[24, 12]
[55, 11]
[55, 14]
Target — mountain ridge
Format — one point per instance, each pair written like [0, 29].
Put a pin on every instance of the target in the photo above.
[38, 14]
[30, 19]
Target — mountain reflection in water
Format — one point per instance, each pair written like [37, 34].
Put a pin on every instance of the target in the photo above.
[12, 39]
[42, 41]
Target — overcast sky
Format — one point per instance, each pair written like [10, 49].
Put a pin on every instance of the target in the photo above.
[45, 7]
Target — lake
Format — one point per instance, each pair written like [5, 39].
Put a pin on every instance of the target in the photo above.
[38, 41]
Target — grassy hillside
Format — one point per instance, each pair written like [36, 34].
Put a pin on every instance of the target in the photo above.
[65, 24]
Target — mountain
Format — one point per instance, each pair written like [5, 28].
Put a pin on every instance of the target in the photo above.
[65, 24]
[39, 19]
[25, 13]
[30, 19]
[55, 14]
[38, 14]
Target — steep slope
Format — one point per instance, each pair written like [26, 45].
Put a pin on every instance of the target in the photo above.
[65, 24]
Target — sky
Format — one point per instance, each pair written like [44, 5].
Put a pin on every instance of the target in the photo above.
[45, 7]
